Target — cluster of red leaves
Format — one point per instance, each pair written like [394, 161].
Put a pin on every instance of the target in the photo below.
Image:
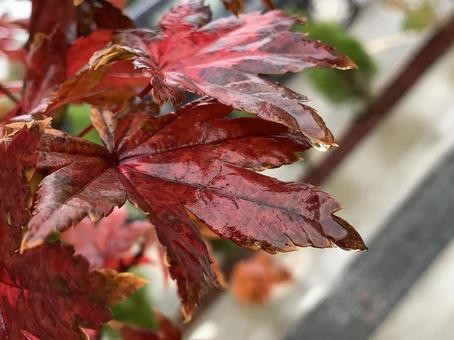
[197, 165]
[46, 292]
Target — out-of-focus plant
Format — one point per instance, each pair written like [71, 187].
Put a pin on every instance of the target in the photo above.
[336, 85]
[253, 280]
[419, 14]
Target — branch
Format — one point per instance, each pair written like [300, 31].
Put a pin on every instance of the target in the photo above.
[8, 94]
[433, 49]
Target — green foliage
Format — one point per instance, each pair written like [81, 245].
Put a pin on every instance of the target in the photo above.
[420, 17]
[136, 310]
[108, 333]
[77, 118]
[339, 85]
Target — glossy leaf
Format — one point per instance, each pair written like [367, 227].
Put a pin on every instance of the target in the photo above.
[47, 46]
[50, 80]
[45, 292]
[223, 59]
[98, 82]
[203, 172]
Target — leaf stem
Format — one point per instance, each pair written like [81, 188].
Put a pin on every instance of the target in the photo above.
[8, 94]
[86, 130]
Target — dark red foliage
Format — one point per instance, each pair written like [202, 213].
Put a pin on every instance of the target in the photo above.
[223, 59]
[198, 166]
[203, 170]
[93, 15]
[45, 292]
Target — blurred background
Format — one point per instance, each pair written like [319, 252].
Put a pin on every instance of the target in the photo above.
[393, 118]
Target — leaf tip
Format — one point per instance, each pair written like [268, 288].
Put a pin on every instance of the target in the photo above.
[29, 242]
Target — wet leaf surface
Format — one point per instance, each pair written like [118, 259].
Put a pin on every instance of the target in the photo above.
[46, 292]
[203, 172]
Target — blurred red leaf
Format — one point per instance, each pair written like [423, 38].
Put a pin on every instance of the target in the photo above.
[93, 15]
[237, 6]
[108, 243]
[253, 280]
[234, 6]
[10, 44]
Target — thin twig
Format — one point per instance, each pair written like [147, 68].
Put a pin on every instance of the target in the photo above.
[8, 94]
[86, 130]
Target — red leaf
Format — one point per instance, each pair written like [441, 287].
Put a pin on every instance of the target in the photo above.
[18, 155]
[82, 50]
[63, 18]
[186, 15]
[10, 45]
[98, 82]
[224, 58]
[201, 172]
[45, 292]
[50, 37]
[93, 15]
[107, 243]
[48, 62]
[253, 280]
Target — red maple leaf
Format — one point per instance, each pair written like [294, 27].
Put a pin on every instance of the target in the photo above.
[176, 173]
[48, 60]
[222, 59]
[49, 39]
[107, 244]
[45, 292]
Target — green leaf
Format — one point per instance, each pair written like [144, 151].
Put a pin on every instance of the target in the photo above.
[137, 309]
[334, 84]
[77, 119]
[420, 18]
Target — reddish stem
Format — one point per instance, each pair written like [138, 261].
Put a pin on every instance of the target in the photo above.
[86, 130]
[8, 94]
